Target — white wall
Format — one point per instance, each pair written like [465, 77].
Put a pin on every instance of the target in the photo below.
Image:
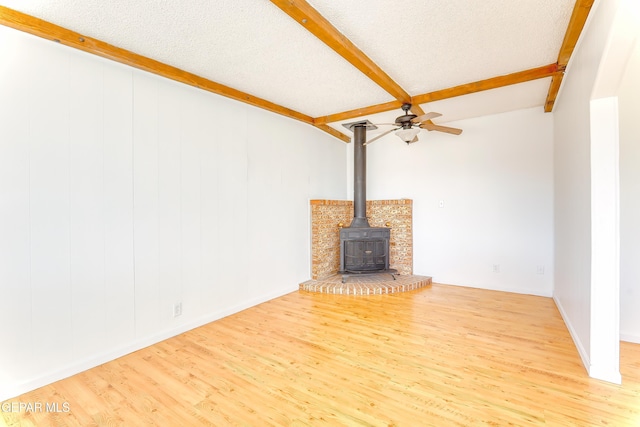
[122, 193]
[496, 183]
[629, 109]
[586, 188]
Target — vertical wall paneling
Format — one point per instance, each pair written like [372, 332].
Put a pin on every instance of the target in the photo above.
[15, 280]
[266, 249]
[146, 221]
[49, 203]
[233, 213]
[209, 207]
[170, 103]
[322, 158]
[122, 193]
[193, 139]
[294, 176]
[87, 230]
[118, 205]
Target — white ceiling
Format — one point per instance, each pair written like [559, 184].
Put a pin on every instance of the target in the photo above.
[253, 46]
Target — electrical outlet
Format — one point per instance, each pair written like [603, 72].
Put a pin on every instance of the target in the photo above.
[496, 268]
[177, 309]
[540, 269]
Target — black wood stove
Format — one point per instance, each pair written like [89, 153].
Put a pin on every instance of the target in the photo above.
[363, 249]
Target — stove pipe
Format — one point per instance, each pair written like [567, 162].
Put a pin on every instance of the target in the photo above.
[359, 177]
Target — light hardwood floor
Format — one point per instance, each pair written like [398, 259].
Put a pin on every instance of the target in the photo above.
[441, 356]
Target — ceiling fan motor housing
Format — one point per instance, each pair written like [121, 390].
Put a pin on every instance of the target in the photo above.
[405, 121]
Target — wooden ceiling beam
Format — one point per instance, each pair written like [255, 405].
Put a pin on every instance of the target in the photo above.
[576, 25]
[554, 88]
[487, 84]
[551, 70]
[307, 16]
[358, 112]
[303, 13]
[38, 27]
[331, 131]
[417, 109]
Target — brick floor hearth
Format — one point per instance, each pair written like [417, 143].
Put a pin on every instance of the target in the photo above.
[369, 284]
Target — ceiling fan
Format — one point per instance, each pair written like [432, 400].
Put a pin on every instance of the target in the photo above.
[409, 125]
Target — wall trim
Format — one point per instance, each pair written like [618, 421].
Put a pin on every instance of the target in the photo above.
[523, 291]
[584, 355]
[594, 371]
[635, 339]
[71, 369]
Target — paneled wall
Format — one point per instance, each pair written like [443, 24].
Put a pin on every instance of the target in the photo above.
[122, 194]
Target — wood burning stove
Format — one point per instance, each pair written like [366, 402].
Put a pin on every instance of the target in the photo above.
[363, 249]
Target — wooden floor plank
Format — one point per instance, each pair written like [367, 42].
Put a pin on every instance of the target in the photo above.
[441, 355]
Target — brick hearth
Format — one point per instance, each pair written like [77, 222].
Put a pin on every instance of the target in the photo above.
[369, 284]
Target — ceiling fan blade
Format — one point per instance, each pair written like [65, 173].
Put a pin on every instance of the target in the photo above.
[446, 129]
[380, 136]
[425, 117]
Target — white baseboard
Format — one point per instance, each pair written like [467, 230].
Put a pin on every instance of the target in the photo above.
[630, 338]
[15, 390]
[525, 291]
[586, 362]
[593, 371]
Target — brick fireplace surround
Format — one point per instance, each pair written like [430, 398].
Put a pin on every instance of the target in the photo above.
[326, 215]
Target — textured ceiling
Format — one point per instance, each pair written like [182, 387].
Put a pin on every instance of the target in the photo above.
[255, 47]
[437, 44]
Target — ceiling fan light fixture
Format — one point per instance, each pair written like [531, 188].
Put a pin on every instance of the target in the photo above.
[407, 135]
